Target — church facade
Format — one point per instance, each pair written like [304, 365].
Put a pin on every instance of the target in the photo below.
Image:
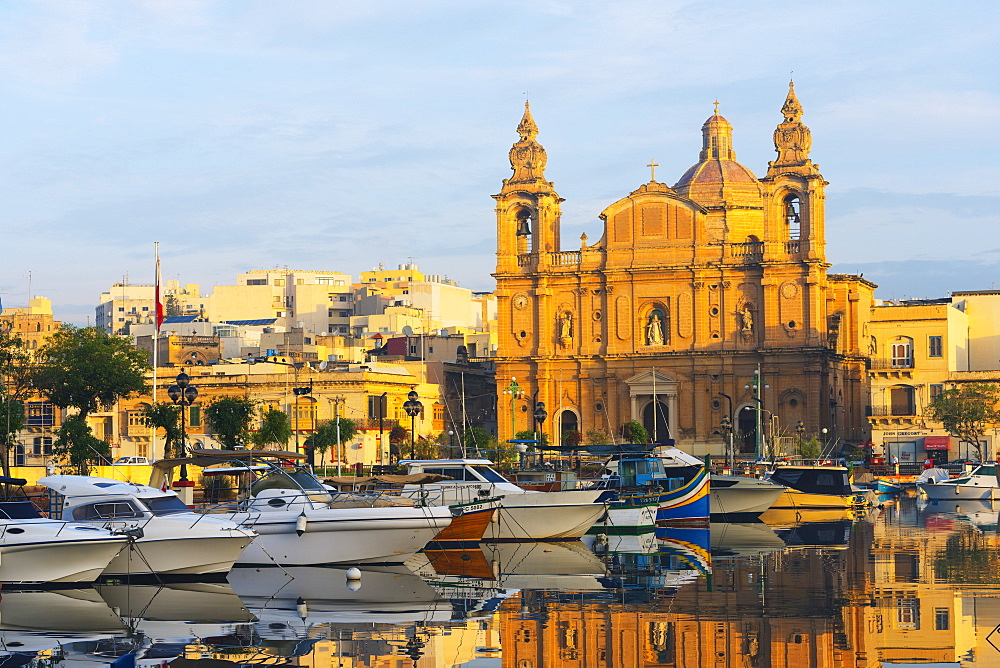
[703, 303]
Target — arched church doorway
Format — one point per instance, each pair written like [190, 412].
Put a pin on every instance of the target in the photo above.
[568, 424]
[746, 438]
[655, 420]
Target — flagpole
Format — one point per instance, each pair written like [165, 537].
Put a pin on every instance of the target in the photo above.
[157, 319]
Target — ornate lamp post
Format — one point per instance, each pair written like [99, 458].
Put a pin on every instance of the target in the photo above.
[301, 392]
[757, 384]
[800, 429]
[726, 425]
[539, 417]
[515, 392]
[412, 407]
[183, 394]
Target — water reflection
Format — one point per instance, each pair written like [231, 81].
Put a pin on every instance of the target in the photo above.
[914, 583]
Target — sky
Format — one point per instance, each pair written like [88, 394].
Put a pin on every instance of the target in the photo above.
[329, 135]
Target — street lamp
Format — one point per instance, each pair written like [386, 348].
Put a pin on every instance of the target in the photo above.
[800, 429]
[301, 392]
[515, 392]
[755, 383]
[183, 394]
[726, 424]
[412, 408]
[539, 417]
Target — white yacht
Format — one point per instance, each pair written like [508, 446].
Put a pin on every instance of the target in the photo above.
[981, 483]
[735, 496]
[523, 514]
[34, 549]
[301, 522]
[166, 537]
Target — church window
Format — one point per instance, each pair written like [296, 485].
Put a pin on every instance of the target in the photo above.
[793, 218]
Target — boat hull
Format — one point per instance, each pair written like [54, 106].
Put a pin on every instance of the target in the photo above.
[545, 516]
[690, 502]
[736, 496]
[342, 536]
[57, 561]
[793, 498]
[947, 490]
[172, 557]
[628, 516]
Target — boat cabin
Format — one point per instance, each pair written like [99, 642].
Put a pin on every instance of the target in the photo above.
[813, 479]
[462, 472]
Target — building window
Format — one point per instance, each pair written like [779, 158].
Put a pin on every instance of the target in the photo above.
[257, 281]
[942, 619]
[40, 414]
[136, 419]
[936, 391]
[902, 356]
[194, 416]
[42, 446]
[908, 613]
[901, 400]
[934, 347]
[280, 282]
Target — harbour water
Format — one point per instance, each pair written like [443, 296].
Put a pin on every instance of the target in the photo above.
[905, 585]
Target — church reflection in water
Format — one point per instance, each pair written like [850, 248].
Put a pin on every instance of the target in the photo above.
[913, 584]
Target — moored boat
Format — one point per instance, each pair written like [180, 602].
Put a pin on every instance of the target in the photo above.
[522, 514]
[167, 538]
[817, 487]
[981, 483]
[735, 497]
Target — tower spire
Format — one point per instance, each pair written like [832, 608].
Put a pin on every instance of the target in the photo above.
[527, 157]
[792, 139]
[717, 138]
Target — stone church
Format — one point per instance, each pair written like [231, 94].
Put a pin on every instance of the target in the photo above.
[703, 305]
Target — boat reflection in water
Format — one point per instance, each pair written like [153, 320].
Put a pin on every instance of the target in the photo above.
[907, 585]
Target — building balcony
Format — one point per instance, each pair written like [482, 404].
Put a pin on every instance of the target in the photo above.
[878, 364]
[750, 251]
[900, 410]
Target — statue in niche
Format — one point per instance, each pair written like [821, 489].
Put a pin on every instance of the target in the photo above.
[654, 329]
[746, 317]
[565, 328]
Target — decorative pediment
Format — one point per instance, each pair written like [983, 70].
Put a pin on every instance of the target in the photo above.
[651, 382]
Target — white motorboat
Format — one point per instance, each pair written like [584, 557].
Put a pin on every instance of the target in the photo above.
[981, 483]
[738, 496]
[301, 522]
[523, 514]
[167, 538]
[34, 549]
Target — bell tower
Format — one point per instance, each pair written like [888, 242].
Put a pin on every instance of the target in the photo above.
[528, 207]
[794, 186]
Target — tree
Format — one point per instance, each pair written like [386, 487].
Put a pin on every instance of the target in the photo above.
[275, 427]
[967, 412]
[597, 437]
[76, 444]
[16, 374]
[229, 418]
[572, 437]
[477, 438]
[166, 416]
[87, 369]
[634, 432]
[810, 448]
[325, 437]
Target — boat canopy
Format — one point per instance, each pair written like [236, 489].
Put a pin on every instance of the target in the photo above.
[813, 479]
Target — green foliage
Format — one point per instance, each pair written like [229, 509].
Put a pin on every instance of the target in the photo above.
[88, 369]
[597, 437]
[810, 448]
[230, 418]
[325, 437]
[173, 307]
[16, 375]
[572, 438]
[634, 432]
[166, 416]
[967, 412]
[426, 449]
[75, 444]
[399, 434]
[477, 439]
[532, 436]
[275, 427]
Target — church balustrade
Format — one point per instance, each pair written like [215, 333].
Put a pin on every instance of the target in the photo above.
[525, 259]
[749, 251]
[792, 247]
[563, 258]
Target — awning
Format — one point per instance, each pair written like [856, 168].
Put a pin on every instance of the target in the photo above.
[937, 442]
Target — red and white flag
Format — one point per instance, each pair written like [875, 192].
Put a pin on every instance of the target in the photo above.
[158, 298]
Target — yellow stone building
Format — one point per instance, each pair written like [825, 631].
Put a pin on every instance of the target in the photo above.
[689, 292]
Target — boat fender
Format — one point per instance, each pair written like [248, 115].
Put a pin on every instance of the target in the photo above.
[301, 608]
[456, 512]
[353, 579]
[300, 524]
[601, 543]
[956, 489]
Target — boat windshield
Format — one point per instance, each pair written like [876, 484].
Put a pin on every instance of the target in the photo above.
[165, 505]
[489, 474]
[296, 480]
[18, 510]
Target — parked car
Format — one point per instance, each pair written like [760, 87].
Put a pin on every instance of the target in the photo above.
[131, 461]
[957, 465]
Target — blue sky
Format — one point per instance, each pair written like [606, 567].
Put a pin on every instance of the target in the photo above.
[334, 135]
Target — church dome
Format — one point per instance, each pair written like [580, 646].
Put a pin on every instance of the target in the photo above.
[716, 171]
[717, 164]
